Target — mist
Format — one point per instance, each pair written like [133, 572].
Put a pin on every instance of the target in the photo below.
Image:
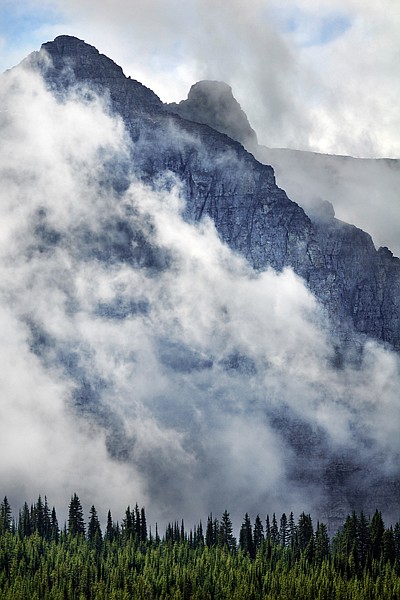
[310, 76]
[177, 377]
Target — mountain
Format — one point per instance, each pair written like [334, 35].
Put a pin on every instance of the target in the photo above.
[236, 327]
[359, 286]
[362, 191]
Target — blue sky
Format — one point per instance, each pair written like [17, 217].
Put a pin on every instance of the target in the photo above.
[311, 74]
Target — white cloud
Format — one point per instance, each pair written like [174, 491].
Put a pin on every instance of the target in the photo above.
[157, 379]
[336, 96]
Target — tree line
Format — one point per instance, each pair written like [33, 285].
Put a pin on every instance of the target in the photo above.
[271, 559]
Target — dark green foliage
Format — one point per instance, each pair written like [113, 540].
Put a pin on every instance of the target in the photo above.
[94, 530]
[76, 523]
[225, 535]
[5, 516]
[125, 565]
[246, 542]
[377, 529]
[258, 533]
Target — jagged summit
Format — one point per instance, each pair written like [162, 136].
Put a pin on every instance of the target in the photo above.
[213, 103]
[73, 60]
[359, 287]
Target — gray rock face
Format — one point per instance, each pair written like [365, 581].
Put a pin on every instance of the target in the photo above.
[212, 103]
[358, 285]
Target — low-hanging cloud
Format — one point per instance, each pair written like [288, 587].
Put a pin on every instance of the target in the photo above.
[166, 372]
[320, 77]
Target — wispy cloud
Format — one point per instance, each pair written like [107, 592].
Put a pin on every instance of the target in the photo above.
[169, 373]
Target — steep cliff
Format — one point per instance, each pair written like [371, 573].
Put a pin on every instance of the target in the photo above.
[358, 285]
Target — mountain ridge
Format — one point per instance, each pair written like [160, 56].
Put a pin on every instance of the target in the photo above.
[183, 331]
[256, 218]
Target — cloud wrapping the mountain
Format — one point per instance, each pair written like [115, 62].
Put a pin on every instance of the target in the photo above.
[311, 76]
[159, 377]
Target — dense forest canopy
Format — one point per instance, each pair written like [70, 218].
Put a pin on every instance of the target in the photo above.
[273, 559]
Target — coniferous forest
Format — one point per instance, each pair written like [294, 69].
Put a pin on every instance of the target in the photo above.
[276, 559]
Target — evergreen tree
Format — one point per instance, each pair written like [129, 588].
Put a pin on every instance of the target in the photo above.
[321, 543]
[376, 529]
[38, 517]
[143, 526]
[283, 531]
[305, 530]
[267, 529]
[246, 542]
[274, 530]
[138, 526]
[389, 546]
[5, 516]
[128, 524]
[292, 530]
[94, 530]
[212, 531]
[199, 538]
[54, 530]
[24, 521]
[47, 519]
[76, 524]
[258, 533]
[225, 537]
[111, 531]
[364, 540]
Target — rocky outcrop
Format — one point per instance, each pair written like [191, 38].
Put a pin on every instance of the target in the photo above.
[358, 285]
[212, 103]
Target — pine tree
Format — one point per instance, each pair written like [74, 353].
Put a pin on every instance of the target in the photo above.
[284, 531]
[46, 519]
[110, 533]
[143, 526]
[24, 521]
[76, 524]
[389, 546]
[138, 527]
[376, 529]
[211, 531]
[225, 536]
[246, 542]
[274, 530]
[364, 540]
[258, 533]
[94, 530]
[128, 524]
[38, 517]
[5, 516]
[54, 530]
[292, 530]
[267, 529]
[321, 543]
[305, 530]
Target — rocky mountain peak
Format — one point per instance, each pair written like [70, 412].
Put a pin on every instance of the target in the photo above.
[212, 103]
[74, 61]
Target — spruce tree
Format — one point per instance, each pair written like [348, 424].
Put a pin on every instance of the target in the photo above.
[246, 541]
[94, 530]
[258, 533]
[283, 531]
[274, 530]
[5, 516]
[225, 537]
[76, 524]
[376, 529]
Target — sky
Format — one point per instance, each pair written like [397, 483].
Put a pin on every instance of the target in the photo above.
[318, 75]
